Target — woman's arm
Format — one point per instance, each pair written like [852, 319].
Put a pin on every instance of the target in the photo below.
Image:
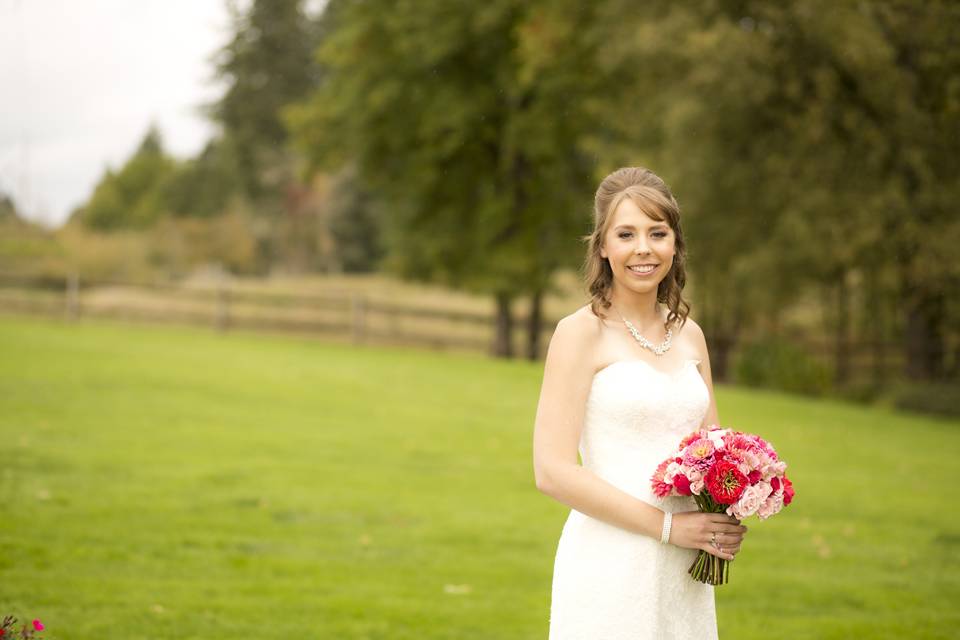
[567, 377]
[696, 333]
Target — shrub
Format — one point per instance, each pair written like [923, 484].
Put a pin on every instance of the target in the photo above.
[938, 398]
[778, 364]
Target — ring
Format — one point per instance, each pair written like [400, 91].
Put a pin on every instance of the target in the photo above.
[713, 538]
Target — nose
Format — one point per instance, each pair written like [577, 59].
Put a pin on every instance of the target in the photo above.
[642, 246]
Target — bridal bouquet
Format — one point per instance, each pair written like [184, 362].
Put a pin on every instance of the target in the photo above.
[726, 471]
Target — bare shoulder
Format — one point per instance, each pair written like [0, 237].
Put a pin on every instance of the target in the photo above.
[694, 334]
[576, 334]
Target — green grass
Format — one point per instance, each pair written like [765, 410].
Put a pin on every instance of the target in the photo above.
[175, 483]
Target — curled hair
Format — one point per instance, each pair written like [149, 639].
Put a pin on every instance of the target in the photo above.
[653, 197]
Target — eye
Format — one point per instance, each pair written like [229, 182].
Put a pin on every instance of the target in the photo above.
[661, 234]
[624, 234]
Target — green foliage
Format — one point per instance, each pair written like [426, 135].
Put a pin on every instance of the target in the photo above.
[940, 398]
[379, 493]
[355, 220]
[133, 197]
[204, 186]
[8, 208]
[466, 119]
[777, 363]
[267, 65]
[180, 245]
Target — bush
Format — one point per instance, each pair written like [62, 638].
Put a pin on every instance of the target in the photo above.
[938, 398]
[778, 364]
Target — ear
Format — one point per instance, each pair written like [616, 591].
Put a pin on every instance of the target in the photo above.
[603, 252]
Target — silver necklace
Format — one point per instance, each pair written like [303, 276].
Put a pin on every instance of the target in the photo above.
[658, 349]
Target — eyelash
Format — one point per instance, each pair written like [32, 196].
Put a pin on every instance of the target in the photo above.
[659, 234]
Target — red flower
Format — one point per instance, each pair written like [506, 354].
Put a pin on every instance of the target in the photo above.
[755, 476]
[3, 632]
[682, 484]
[725, 482]
[37, 625]
[787, 490]
[775, 483]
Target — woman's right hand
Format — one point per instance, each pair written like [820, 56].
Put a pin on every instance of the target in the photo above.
[693, 530]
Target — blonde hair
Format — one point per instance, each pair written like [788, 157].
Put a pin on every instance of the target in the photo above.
[652, 196]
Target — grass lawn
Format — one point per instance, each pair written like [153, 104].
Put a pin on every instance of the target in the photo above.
[175, 483]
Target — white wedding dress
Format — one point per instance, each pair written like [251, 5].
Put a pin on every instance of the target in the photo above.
[610, 583]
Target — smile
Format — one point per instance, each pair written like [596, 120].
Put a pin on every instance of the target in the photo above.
[646, 268]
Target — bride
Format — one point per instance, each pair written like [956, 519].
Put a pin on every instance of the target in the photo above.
[626, 377]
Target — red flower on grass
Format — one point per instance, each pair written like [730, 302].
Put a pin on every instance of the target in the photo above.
[725, 482]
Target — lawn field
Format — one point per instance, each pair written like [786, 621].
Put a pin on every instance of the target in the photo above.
[177, 483]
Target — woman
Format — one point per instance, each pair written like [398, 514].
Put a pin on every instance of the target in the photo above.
[626, 377]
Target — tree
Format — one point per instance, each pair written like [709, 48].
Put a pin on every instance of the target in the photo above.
[203, 186]
[467, 120]
[268, 64]
[133, 197]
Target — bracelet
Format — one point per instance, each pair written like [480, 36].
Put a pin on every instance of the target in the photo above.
[667, 521]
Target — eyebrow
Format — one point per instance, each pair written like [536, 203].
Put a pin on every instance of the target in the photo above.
[630, 226]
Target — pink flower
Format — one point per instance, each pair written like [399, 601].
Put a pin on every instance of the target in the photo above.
[754, 476]
[660, 488]
[775, 483]
[698, 452]
[696, 487]
[37, 625]
[772, 505]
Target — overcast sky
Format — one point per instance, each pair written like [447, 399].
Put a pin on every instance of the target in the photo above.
[81, 81]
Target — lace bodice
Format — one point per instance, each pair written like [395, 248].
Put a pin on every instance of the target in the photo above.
[635, 417]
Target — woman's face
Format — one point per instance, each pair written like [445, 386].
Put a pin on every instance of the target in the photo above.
[633, 242]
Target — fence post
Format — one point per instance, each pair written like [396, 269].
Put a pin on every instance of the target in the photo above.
[357, 317]
[73, 296]
[223, 304]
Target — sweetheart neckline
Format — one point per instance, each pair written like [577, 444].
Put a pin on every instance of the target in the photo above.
[666, 374]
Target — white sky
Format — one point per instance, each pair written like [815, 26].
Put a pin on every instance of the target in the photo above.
[81, 81]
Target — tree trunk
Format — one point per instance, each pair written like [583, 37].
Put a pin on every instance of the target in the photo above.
[876, 328]
[842, 331]
[534, 321]
[924, 335]
[502, 343]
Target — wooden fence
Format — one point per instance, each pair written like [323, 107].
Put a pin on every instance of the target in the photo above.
[343, 315]
[223, 305]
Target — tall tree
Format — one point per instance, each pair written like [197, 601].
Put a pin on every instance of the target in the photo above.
[268, 64]
[467, 119]
[133, 196]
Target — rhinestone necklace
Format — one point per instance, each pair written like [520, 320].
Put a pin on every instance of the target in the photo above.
[658, 349]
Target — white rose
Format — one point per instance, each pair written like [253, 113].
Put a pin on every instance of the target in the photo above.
[771, 506]
[753, 496]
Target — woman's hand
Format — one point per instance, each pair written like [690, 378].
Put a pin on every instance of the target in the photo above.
[693, 530]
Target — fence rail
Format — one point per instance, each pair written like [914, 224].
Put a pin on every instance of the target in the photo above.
[224, 306]
[339, 314]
